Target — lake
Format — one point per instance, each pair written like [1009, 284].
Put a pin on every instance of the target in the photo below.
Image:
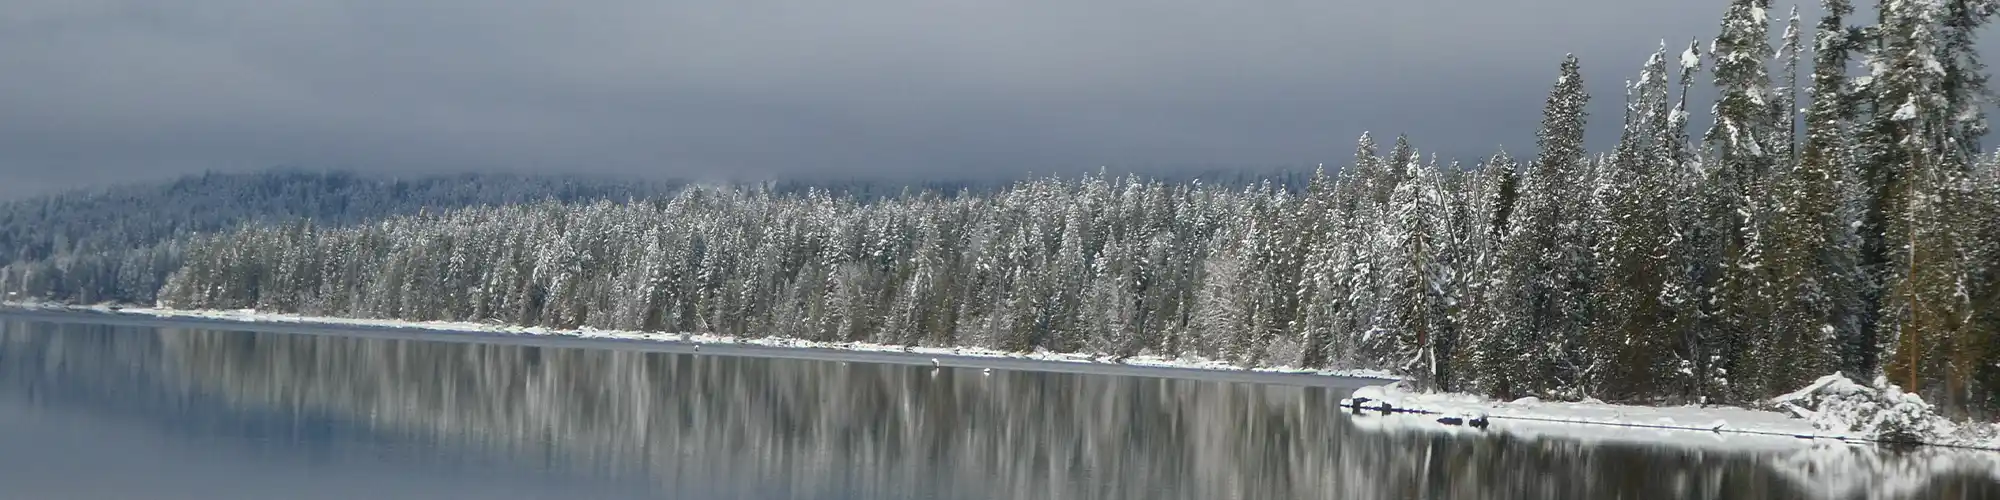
[96, 407]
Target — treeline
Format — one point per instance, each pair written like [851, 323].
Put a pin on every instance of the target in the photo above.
[115, 243]
[865, 189]
[135, 216]
[1731, 266]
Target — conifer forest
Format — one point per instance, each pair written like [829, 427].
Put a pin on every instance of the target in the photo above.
[1835, 213]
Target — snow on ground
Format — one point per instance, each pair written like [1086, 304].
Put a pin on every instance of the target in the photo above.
[1817, 468]
[1883, 411]
[1689, 424]
[1584, 431]
[1853, 417]
[253, 316]
[1827, 454]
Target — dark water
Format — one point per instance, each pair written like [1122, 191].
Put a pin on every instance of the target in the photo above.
[99, 411]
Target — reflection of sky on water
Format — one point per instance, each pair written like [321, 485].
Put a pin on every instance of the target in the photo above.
[260, 413]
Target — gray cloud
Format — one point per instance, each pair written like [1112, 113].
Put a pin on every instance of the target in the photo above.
[95, 91]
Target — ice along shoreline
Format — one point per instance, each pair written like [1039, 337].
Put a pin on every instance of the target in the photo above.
[1667, 425]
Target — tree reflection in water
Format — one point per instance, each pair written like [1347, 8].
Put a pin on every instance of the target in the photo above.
[766, 428]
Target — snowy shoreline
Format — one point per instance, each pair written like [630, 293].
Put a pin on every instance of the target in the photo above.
[471, 327]
[1630, 423]
[1668, 425]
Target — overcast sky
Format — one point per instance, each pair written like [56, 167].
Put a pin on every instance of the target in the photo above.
[97, 91]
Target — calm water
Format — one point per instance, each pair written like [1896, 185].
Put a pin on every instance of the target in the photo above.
[98, 411]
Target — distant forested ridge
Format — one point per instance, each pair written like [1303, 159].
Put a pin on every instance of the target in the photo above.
[1289, 178]
[116, 243]
[1729, 263]
[123, 217]
[119, 243]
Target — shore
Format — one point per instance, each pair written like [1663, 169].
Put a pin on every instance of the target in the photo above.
[1685, 425]
[769, 347]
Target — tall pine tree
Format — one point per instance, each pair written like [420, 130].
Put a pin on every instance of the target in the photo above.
[1539, 307]
[1811, 267]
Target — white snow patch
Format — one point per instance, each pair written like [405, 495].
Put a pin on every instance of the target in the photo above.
[1832, 409]
[1816, 468]
[1881, 411]
[254, 316]
[1906, 112]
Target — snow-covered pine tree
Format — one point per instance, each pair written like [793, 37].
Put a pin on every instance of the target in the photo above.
[1681, 292]
[1410, 282]
[1744, 130]
[1809, 264]
[1785, 109]
[1915, 163]
[1487, 353]
[1982, 335]
[1965, 80]
[1223, 306]
[1191, 224]
[1295, 229]
[1503, 174]
[1966, 94]
[1472, 363]
[1356, 281]
[1686, 293]
[1392, 172]
[1744, 142]
[1317, 294]
[1364, 178]
[1633, 333]
[1851, 281]
[1539, 309]
[1956, 231]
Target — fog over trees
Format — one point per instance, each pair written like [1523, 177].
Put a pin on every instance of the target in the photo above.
[1732, 262]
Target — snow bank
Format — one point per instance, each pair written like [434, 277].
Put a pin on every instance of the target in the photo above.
[254, 316]
[1651, 424]
[1881, 411]
[1831, 462]
[1833, 409]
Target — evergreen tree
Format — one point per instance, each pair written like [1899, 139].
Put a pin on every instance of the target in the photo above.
[1634, 334]
[1539, 308]
[1915, 160]
[1982, 329]
[1320, 293]
[1503, 173]
[1810, 265]
[1964, 74]
[1785, 109]
[1736, 201]
[1413, 282]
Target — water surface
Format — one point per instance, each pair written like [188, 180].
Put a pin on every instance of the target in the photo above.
[96, 410]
